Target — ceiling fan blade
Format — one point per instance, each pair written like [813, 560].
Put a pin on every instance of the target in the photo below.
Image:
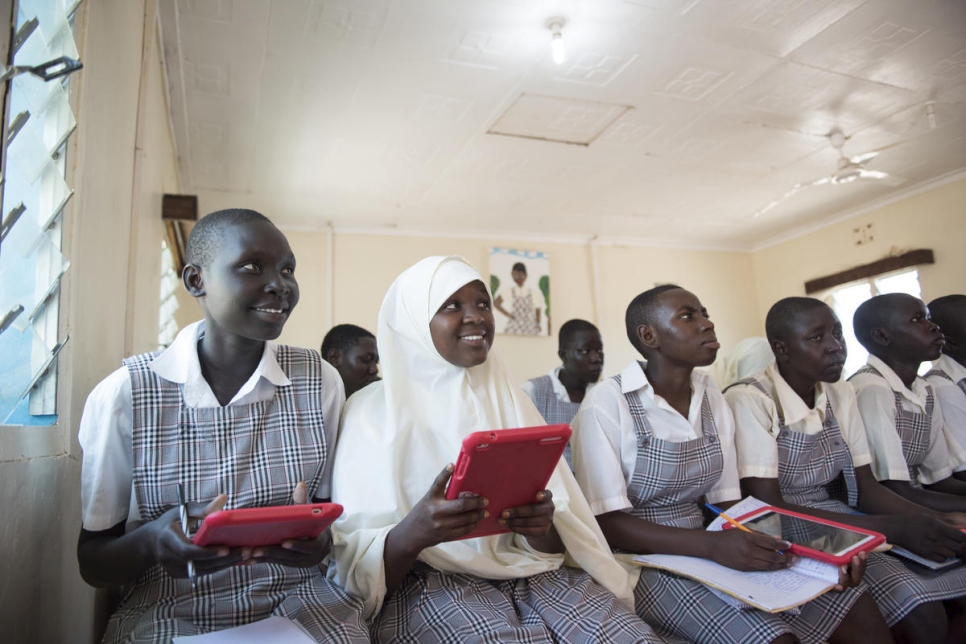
[872, 174]
[798, 187]
[865, 157]
[859, 159]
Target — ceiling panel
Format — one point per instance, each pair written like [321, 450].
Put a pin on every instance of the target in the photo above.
[374, 113]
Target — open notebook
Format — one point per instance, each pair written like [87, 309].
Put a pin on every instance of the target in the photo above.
[274, 630]
[773, 592]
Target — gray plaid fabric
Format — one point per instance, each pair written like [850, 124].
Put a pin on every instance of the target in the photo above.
[896, 589]
[553, 409]
[668, 482]
[812, 467]
[256, 454]
[913, 428]
[564, 606]
[942, 374]
[669, 478]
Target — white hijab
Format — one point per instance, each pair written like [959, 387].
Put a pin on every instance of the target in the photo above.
[397, 434]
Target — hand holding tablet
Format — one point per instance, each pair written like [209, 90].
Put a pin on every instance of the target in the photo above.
[266, 526]
[809, 536]
[508, 467]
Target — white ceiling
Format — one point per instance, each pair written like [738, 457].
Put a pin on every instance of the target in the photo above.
[376, 114]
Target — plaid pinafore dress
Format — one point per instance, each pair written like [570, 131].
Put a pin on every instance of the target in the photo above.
[256, 454]
[553, 409]
[913, 428]
[524, 321]
[669, 481]
[809, 467]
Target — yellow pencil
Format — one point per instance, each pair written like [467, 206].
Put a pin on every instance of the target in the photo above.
[724, 516]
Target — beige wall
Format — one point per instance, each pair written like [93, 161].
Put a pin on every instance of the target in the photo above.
[365, 266]
[114, 212]
[933, 219]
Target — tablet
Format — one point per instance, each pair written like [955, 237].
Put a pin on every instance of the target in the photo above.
[268, 526]
[508, 467]
[828, 541]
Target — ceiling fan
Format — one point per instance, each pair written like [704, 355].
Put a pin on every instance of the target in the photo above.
[849, 169]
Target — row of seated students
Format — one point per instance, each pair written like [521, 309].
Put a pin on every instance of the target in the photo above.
[236, 420]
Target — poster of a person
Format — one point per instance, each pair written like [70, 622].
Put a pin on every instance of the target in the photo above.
[520, 287]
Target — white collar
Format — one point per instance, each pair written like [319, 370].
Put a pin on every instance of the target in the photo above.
[918, 392]
[634, 379]
[179, 363]
[793, 407]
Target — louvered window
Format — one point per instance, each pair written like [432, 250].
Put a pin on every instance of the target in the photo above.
[37, 123]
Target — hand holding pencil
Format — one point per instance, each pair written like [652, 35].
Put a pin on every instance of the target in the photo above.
[744, 549]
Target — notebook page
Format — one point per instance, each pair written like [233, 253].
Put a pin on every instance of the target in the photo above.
[277, 630]
[772, 591]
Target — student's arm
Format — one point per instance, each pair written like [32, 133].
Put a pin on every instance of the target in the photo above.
[114, 557]
[498, 305]
[432, 521]
[901, 521]
[929, 498]
[732, 548]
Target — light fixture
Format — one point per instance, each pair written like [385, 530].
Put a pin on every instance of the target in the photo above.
[556, 40]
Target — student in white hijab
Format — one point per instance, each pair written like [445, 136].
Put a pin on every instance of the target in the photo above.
[748, 358]
[394, 546]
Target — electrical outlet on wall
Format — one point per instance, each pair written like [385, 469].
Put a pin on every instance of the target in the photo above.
[863, 234]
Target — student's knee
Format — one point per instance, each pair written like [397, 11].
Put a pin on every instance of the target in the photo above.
[862, 624]
[926, 624]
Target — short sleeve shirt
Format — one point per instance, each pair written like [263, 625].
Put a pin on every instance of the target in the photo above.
[952, 401]
[105, 432]
[877, 405]
[559, 390]
[757, 422]
[604, 441]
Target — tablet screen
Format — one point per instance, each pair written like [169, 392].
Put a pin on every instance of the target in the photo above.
[810, 534]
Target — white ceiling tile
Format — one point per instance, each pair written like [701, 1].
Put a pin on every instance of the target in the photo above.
[697, 112]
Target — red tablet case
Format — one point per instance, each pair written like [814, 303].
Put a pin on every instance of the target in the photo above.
[268, 526]
[803, 551]
[508, 467]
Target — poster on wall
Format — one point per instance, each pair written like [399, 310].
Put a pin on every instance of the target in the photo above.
[520, 287]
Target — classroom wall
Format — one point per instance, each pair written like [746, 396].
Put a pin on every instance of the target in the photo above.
[365, 265]
[105, 296]
[933, 219]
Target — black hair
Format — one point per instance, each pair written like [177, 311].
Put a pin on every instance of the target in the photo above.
[948, 310]
[570, 329]
[641, 311]
[519, 267]
[874, 313]
[343, 337]
[205, 237]
[781, 316]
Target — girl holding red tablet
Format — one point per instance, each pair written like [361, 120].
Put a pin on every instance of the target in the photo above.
[649, 447]
[398, 545]
[802, 446]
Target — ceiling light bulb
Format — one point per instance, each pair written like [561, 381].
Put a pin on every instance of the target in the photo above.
[556, 41]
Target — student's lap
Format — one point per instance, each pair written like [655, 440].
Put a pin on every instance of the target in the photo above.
[563, 605]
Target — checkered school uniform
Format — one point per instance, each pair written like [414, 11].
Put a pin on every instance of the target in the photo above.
[669, 481]
[552, 408]
[563, 605]
[813, 468]
[524, 311]
[913, 428]
[808, 468]
[256, 454]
